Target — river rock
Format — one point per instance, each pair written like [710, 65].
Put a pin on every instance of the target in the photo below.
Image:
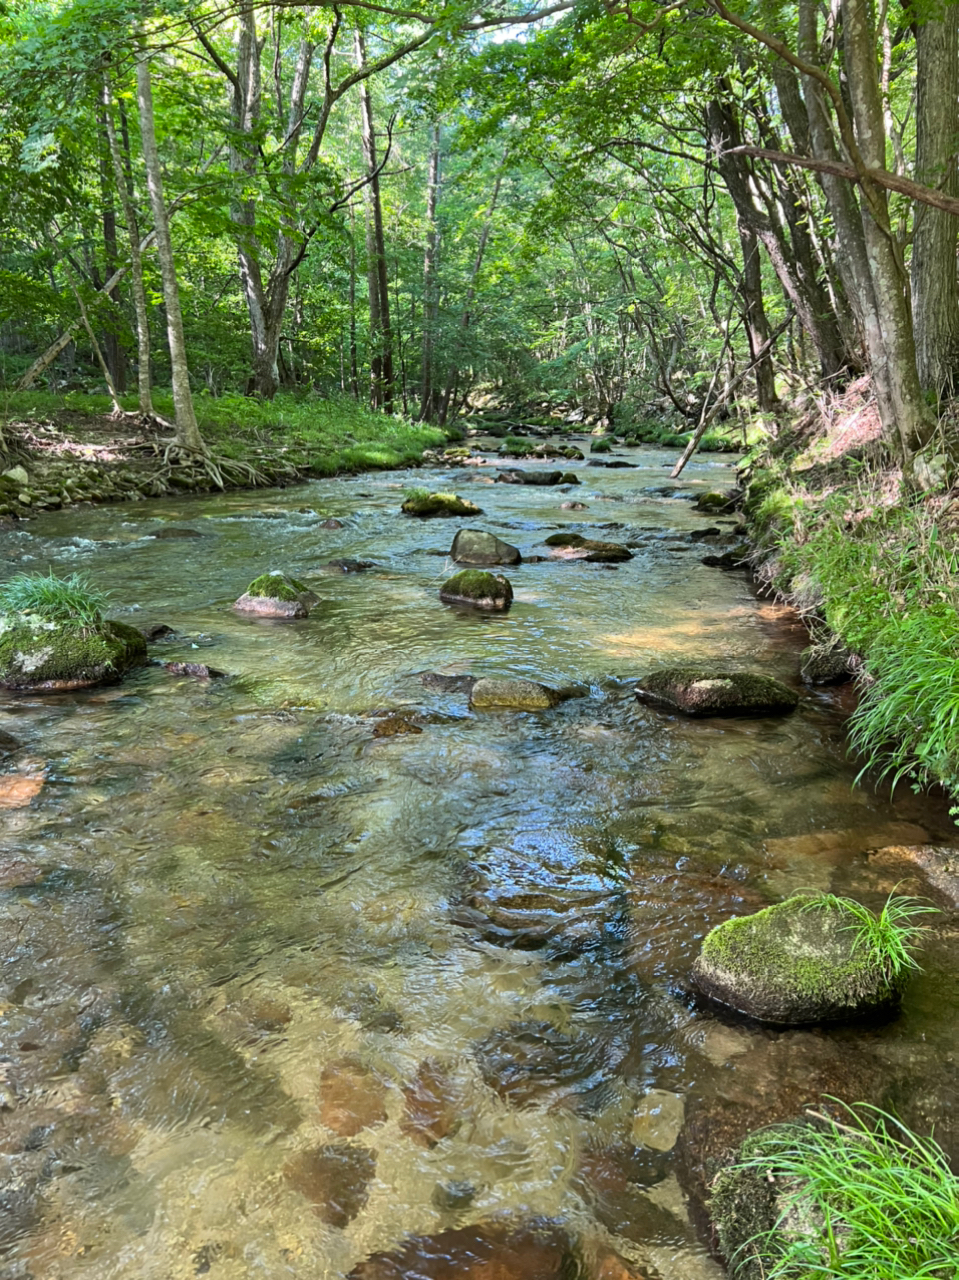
[432, 1105]
[716, 503]
[347, 565]
[276, 595]
[593, 552]
[352, 1097]
[735, 559]
[157, 631]
[658, 1119]
[793, 964]
[520, 695]
[525, 1060]
[564, 540]
[698, 535]
[534, 1250]
[825, 664]
[431, 505]
[514, 475]
[479, 589]
[18, 475]
[569, 477]
[600, 445]
[8, 744]
[573, 506]
[695, 691]
[171, 533]
[450, 1197]
[334, 1178]
[939, 865]
[447, 684]
[51, 656]
[474, 547]
[394, 726]
[199, 670]
[331, 523]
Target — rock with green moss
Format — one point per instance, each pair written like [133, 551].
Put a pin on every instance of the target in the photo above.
[431, 505]
[600, 445]
[715, 503]
[590, 550]
[478, 589]
[745, 1206]
[276, 595]
[476, 547]
[697, 691]
[826, 663]
[796, 963]
[564, 540]
[518, 695]
[46, 655]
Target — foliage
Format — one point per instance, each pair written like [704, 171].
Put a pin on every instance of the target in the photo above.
[73, 601]
[891, 937]
[874, 1199]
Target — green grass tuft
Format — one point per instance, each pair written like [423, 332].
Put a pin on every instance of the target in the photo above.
[890, 938]
[72, 601]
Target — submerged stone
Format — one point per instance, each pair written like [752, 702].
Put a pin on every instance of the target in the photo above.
[535, 1250]
[658, 1119]
[199, 670]
[521, 695]
[334, 1178]
[475, 547]
[171, 533]
[276, 595]
[514, 475]
[796, 963]
[394, 726]
[432, 1106]
[695, 691]
[430, 505]
[42, 655]
[346, 564]
[352, 1097]
[447, 684]
[590, 550]
[479, 589]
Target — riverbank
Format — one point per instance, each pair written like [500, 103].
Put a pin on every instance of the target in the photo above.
[873, 571]
[67, 449]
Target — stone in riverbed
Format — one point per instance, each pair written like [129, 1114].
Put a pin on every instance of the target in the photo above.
[171, 533]
[520, 695]
[573, 506]
[793, 964]
[499, 1250]
[475, 547]
[276, 595]
[331, 523]
[658, 1119]
[199, 670]
[394, 726]
[447, 684]
[694, 691]
[825, 664]
[54, 656]
[352, 1097]
[716, 503]
[432, 1107]
[334, 1178]
[515, 475]
[478, 589]
[432, 505]
[592, 551]
[8, 744]
[564, 540]
[347, 565]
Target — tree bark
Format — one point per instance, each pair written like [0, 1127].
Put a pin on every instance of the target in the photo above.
[430, 299]
[757, 326]
[935, 296]
[187, 430]
[112, 347]
[381, 334]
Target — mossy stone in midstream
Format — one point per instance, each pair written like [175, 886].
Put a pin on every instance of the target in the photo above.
[479, 589]
[697, 691]
[430, 505]
[276, 595]
[796, 963]
[45, 655]
[745, 1208]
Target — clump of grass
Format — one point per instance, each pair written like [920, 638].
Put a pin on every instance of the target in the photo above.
[890, 937]
[72, 601]
[873, 1199]
[517, 446]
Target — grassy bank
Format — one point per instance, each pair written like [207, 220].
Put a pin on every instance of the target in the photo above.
[879, 569]
[73, 451]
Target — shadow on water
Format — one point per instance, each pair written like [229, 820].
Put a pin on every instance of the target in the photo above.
[282, 997]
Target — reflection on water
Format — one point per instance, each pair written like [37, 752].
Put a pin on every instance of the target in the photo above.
[282, 998]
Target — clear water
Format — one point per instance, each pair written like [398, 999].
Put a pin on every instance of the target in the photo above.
[235, 925]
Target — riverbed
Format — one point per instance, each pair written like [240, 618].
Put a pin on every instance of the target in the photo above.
[279, 995]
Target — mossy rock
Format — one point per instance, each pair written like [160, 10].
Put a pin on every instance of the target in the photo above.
[518, 695]
[478, 589]
[696, 691]
[592, 551]
[825, 664]
[572, 453]
[514, 475]
[276, 595]
[601, 445]
[793, 964]
[476, 547]
[715, 503]
[432, 505]
[744, 1208]
[564, 540]
[51, 656]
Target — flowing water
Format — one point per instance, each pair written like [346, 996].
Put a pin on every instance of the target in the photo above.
[277, 994]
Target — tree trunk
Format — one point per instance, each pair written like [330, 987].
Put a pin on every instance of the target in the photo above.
[430, 301]
[112, 348]
[136, 262]
[381, 335]
[757, 326]
[935, 297]
[354, 363]
[187, 430]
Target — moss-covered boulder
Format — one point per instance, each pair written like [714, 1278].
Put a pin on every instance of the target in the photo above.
[569, 477]
[564, 540]
[590, 550]
[697, 691]
[714, 503]
[276, 595]
[475, 547]
[825, 664]
[601, 445]
[479, 589]
[745, 1205]
[796, 963]
[432, 505]
[46, 655]
[520, 695]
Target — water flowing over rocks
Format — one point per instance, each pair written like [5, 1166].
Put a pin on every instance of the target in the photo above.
[352, 1097]
[696, 691]
[515, 475]
[334, 1178]
[432, 1107]
[536, 1250]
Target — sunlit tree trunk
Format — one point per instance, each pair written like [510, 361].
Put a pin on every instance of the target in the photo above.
[430, 299]
[381, 334]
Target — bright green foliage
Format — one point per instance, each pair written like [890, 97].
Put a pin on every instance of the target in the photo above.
[874, 1200]
[888, 939]
[73, 601]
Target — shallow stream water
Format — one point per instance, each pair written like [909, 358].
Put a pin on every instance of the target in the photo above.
[277, 994]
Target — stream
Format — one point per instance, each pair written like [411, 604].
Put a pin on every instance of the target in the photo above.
[278, 996]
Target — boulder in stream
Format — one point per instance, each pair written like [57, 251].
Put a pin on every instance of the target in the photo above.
[276, 595]
[519, 695]
[826, 663]
[476, 547]
[478, 589]
[497, 1250]
[713, 503]
[697, 691]
[419, 502]
[793, 964]
[590, 550]
[515, 475]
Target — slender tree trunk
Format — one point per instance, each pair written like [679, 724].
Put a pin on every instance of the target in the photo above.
[97, 351]
[430, 307]
[354, 363]
[935, 297]
[187, 430]
[136, 261]
[757, 326]
[381, 335]
[112, 347]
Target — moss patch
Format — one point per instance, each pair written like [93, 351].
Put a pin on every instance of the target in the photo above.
[564, 540]
[744, 1208]
[423, 504]
[277, 586]
[475, 586]
[698, 691]
[794, 963]
[35, 653]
